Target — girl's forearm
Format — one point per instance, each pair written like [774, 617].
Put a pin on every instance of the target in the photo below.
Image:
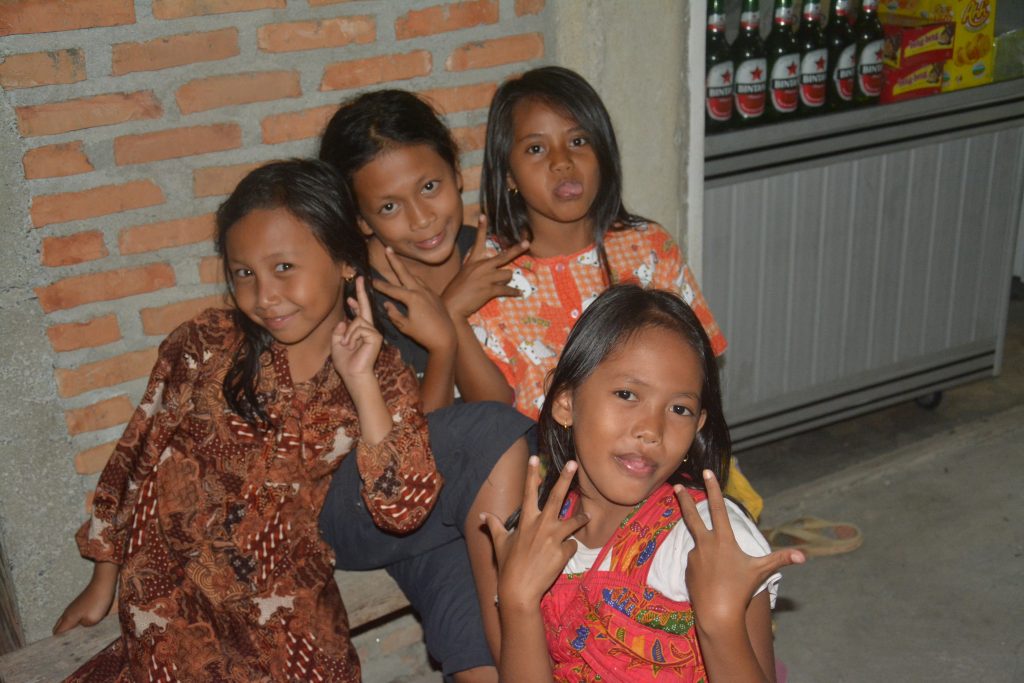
[437, 390]
[104, 575]
[525, 657]
[374, 417]
[739, 648]
[478, 378]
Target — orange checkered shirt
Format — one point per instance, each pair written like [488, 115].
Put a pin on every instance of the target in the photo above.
[524, 335]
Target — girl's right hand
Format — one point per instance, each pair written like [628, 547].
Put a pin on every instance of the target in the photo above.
[532, 556]
[93, 603]
[481, 277]
[426, 321]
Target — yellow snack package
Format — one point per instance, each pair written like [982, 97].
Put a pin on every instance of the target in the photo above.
[973, 57]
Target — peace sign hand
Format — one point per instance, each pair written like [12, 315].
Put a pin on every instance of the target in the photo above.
[355, 343]
[481, 277]
[720, 577]
[426, 320]
[532, 556]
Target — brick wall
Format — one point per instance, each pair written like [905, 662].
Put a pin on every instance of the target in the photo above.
[136, 118]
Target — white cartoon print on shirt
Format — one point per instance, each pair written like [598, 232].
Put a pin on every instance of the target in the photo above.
[536, 351]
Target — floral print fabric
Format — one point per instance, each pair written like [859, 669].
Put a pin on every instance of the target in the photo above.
[524, 335]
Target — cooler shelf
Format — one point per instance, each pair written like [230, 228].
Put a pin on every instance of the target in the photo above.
[864, 258]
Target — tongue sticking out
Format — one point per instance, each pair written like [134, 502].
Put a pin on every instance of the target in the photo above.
[569, 190]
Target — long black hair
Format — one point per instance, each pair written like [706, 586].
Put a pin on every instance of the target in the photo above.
[312, 192]
[377, 121]
[618, 314]
[568, 93]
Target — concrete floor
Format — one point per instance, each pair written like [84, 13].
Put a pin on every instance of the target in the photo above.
[936, 592]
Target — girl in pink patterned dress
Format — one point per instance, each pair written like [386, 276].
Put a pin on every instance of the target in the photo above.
[599, 581]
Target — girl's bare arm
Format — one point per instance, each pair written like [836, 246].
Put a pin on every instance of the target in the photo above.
[94, 602]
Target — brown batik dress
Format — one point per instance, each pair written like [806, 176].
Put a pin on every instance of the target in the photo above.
[223, 575]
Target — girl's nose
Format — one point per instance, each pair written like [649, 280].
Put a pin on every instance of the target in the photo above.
[420, 215]
[649, 426]
[560, 159]
[267, 293]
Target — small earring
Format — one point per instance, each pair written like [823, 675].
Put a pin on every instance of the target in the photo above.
[513, 191]
[349, 278]
[565, 427]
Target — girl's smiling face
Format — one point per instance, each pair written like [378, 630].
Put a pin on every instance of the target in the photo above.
[553, 166]
[634, 418]
[284, 279]
[410, 200]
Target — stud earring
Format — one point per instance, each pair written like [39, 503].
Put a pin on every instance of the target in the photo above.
[513, 191]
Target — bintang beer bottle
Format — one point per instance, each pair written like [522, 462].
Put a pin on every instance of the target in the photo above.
[842, 56]
[813, 59]
[751, 68]
[718, 77]
[868, 84]
[783, 65]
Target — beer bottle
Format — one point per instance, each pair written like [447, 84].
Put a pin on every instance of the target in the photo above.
[842, 56]
[718, 72]
[751, 68]
[783, 55]
[813, 59]
[868, 30]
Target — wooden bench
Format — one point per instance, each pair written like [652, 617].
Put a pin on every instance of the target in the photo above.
[369, 597]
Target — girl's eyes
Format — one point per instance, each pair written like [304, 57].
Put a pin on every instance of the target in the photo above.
[282, 267]
[430, 187]
[625, 394]
[239, 273]
[682, 410]
[533, 149]
[678, 409]
[387, 208]
[580, 141]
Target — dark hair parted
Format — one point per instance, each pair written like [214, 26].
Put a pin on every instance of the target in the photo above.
[615, 316]
[377, 121]
[312, 192]
[568, 93]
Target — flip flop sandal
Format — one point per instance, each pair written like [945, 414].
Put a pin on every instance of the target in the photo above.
[815, 537]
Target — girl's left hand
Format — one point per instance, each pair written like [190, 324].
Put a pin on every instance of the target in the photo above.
[720, 577]
[426, 321]
[355, 343]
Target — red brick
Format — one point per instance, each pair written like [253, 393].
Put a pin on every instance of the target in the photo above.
[488, 53]
[171, 51]
[179, 142]
[524, 7]
[296, 125]
[54, 67]
[153, 236]
[178, 9]
[45, 16]
[108, 413]
[77, 248]
[363, 72]
[210, 270]
[471, 179]
[87, 112]
[93, 460]
[217, 181]
[95, 332]
[314, 35]
[204, 94]
[105, 373]
[106, 286]
[164, 319]
[442, 18]
[461, 98]
[55, 161]
[99, 201]
[470, 138]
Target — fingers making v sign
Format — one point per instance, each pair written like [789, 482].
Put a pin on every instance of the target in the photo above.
[481, 277]
[532, 556]
[355, 343]
[720, 577]
[425, 321]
